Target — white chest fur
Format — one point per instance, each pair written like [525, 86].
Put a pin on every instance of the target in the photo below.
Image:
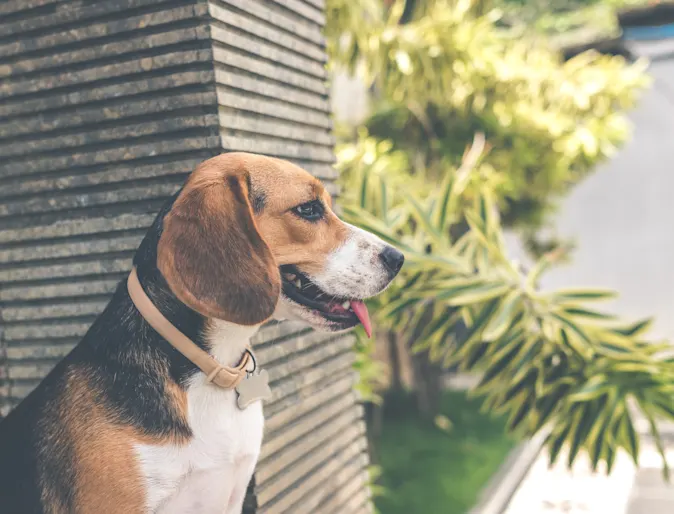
[210, 474]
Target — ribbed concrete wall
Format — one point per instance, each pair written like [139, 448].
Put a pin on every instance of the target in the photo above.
[105, 107]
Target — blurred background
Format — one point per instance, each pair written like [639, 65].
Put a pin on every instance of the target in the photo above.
[527, 144]
[518, 151]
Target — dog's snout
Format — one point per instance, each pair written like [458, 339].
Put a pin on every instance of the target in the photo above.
[392, 259]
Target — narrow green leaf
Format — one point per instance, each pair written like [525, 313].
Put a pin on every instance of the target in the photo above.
[442, 205]
[541, 265]
[655, 433]
[595, 387]
[570, 342]
[444, 285]
[422, 217]
[476, 295]
[646, 367]
[383, 191]
[616, 426]
[576, 329]
[395, 308]
[363, 187]
[514, 335]
[475, 329]
[529, 351]
[547, 404]
[520, 414]
[636, 329]
[417, 323]
[598, 446]
[499, 364]
[427, 262]
[483, 210]
[588, 417]
[501, 320]
[447, 317]
[614, 351]
[526, 382]
[610, 452]
[667, 407]
[477, 353]
[574, 295]
[631, 436]
[555, 442]
[480, 233]
[587, 313]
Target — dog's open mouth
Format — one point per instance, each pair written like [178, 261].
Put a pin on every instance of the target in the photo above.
[344, 311]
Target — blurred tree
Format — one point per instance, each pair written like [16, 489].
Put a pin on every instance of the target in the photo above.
[560, 17]
[440, 72]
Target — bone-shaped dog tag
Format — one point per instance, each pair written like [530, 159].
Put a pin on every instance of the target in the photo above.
[253, 388]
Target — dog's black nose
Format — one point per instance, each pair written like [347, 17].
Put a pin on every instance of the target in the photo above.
[392, 259]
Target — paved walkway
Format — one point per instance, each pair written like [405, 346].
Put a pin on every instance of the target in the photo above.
[627, 490]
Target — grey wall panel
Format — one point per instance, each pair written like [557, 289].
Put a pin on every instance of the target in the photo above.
[273, 99]
[105, 107]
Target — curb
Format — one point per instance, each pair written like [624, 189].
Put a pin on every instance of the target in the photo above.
[660, 13]
[500, 489]
[605, 45]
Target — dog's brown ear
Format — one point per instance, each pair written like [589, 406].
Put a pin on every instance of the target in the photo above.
[213, 256]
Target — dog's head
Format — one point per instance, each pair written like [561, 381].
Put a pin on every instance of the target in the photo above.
[251, 236]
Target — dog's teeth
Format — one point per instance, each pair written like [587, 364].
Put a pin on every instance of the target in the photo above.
[346, 305]
[290, 276]
[298, 283]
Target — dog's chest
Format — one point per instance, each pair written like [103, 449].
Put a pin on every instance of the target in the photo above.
[225, 443]
[223, 435]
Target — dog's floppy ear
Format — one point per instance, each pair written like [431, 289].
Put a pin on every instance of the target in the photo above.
[213, 256]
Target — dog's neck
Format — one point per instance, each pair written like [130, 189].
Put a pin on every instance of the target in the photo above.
[225, 341]
[228, 341]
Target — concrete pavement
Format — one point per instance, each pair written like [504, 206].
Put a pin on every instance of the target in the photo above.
[627, 490]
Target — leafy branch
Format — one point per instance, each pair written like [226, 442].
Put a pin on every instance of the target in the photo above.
[547, 359]
[442, 70]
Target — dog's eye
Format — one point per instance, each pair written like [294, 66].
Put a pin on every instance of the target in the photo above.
[311, 211]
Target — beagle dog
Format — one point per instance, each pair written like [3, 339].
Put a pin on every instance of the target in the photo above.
[132, 422]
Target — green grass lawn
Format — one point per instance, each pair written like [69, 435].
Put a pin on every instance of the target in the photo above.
[426, 470]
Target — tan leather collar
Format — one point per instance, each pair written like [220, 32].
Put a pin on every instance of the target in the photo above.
[223, 376]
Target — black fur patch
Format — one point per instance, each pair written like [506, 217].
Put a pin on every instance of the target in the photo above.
[127, 364]
[258, 202]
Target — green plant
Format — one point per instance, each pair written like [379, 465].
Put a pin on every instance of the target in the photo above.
[370, 371]
[441, 71]
[561, 16]
[546, 358]
[427, 469]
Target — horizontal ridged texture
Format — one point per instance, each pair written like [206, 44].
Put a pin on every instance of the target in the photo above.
[269, 61]
[105, 107]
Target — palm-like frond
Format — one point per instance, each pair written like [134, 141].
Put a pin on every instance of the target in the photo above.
[448, 70]
[547, 359]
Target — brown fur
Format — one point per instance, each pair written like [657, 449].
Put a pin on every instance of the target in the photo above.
[101, 446]
[221, 258]
[212, 254]
[220, 248]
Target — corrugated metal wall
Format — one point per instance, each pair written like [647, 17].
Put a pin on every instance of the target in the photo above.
[105, 106]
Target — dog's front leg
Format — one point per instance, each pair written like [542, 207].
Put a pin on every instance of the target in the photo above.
[243, 473]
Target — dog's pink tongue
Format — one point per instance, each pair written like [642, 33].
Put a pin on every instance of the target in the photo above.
[360, 310]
